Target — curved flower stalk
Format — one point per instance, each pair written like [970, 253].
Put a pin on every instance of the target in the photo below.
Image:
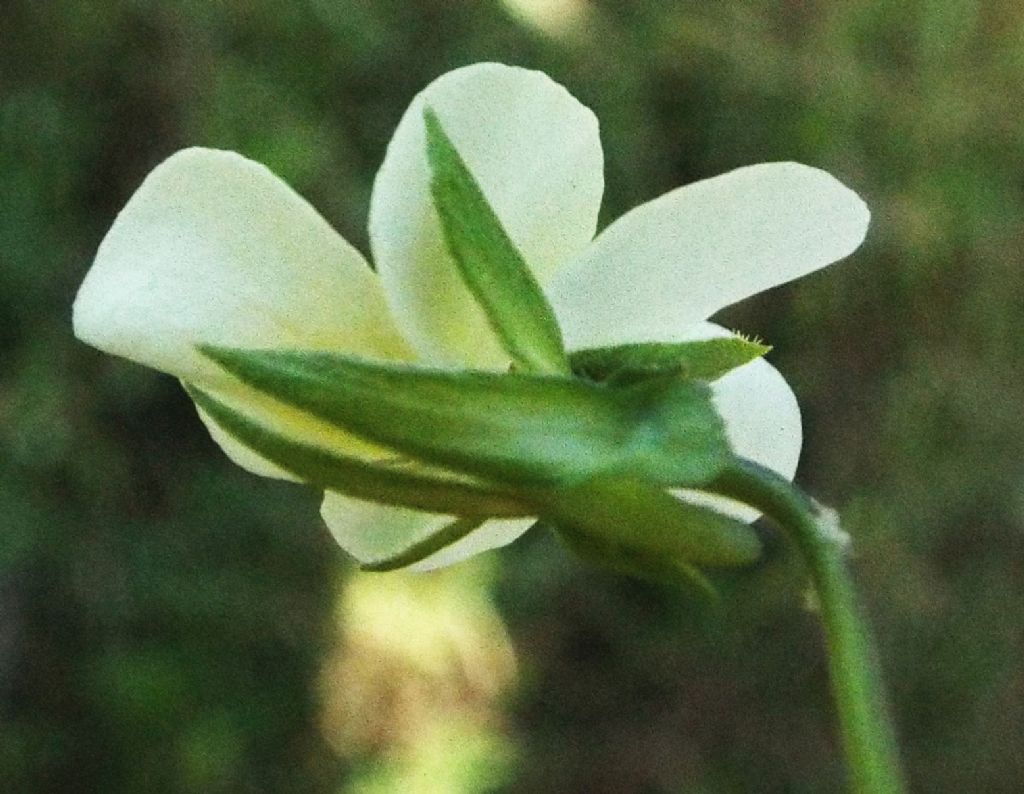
[215, 250]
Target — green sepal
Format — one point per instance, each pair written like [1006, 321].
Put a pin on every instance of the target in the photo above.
[638, 520]
[489, 262]
[361, 479]
[510, 428]
[444, 537]
[657, 570]
[703, 359]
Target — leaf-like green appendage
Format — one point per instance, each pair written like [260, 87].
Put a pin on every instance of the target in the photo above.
[446, 536]
[641, 521]
[509, 428]
[703, 359]
[358, 478]
[658, 570]
[489, 262]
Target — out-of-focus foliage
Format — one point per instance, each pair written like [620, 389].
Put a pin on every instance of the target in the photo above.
[165, 618]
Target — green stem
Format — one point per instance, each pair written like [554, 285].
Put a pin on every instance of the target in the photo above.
[868, 737]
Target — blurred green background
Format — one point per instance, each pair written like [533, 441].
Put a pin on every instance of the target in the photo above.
[169, 623]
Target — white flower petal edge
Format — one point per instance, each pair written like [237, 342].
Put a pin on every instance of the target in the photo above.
[762, 416]
[371, 532]
[678, 259]
[762, 422]
[535, 151]
[213, 248]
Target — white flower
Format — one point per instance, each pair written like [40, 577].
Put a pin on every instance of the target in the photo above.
[215, 249]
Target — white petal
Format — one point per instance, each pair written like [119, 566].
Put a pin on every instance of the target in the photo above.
[371, 532]
[680, 258]
[214, 248]
[762, 416]
[535, 151]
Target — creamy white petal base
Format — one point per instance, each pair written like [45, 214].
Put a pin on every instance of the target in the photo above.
[536, 153]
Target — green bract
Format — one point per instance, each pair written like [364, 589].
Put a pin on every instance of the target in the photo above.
[489, 262]
[640, 520]
[500, 364]
[512, 428]
[388, 482]
[705, 359]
